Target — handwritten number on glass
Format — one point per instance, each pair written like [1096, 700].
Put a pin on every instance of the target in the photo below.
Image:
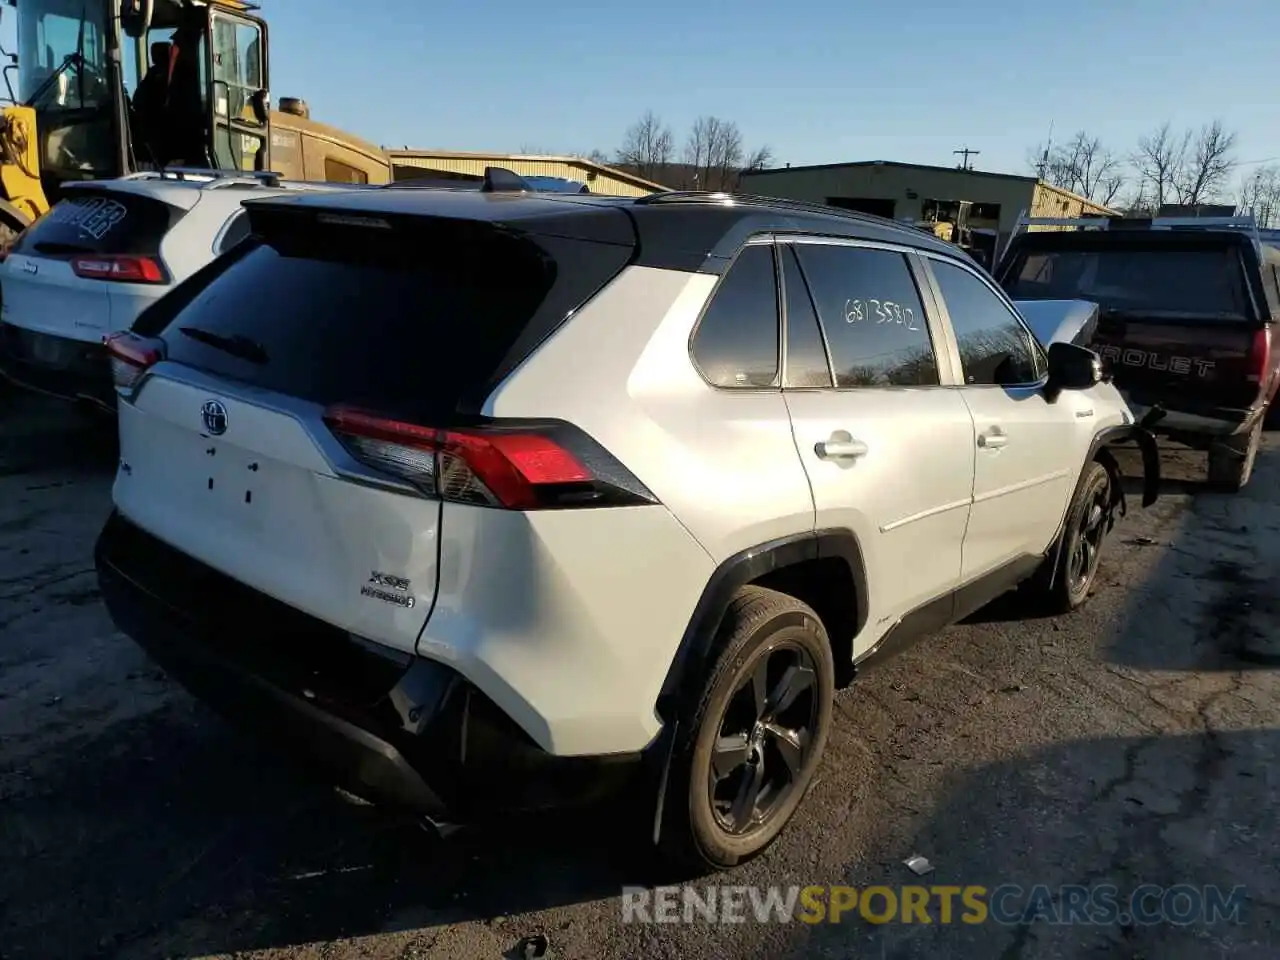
[883, 311]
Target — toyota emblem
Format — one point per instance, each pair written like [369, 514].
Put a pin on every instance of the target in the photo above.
[214, 417]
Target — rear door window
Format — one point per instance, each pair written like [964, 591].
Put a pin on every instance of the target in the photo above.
[392, 324]
[871, 312]
[99, 222]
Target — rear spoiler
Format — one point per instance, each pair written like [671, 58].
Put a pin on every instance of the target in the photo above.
[495, 180]
[1245, 223]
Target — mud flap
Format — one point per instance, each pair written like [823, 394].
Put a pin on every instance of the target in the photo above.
[1150, 465]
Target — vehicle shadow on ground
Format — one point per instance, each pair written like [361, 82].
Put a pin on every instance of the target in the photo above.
[1164, 810]
[1188, 799]
[39, 433]
[1211, 603]
[184, 838]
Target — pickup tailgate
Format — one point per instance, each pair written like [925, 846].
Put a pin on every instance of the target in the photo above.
[1177, 319]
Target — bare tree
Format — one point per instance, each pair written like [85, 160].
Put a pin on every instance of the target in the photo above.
[714, 152]
[759, 159]
[1082, 165]
[1207, 164]
[1260, 195]
[599, 156]
[1160, 160]
[647, 147]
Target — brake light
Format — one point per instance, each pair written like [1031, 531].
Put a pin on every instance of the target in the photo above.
[1260, 355]
[516, 468]
[131, 356]
[121, 268]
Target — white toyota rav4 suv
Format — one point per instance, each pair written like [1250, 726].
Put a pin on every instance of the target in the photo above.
[491, 500]
[103, 254]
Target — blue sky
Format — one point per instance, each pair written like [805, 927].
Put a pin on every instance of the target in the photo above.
[821, 82]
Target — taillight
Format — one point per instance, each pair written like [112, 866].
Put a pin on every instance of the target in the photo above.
[121, 268]
[131, 356]
[1259, 355]
[499, 465]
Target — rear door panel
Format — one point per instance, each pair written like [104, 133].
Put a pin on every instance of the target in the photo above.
[263, 503]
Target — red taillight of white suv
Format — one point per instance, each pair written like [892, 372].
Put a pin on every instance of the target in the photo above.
[515, 467]
[120, 268]
[130, 357]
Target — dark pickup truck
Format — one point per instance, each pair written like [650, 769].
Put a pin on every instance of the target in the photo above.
[1186, 322]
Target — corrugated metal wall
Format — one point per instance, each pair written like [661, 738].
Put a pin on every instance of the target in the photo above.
[597, 179]
[1051, 201]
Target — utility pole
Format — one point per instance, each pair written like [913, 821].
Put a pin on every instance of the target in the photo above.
[966, 152]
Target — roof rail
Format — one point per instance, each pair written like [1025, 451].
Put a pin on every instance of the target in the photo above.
[1244, 222]
[266, 178]
[722, 197]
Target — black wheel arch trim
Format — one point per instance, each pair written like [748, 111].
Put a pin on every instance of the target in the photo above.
[697, 644]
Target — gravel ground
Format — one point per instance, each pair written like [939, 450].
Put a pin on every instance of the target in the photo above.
[1134, 741]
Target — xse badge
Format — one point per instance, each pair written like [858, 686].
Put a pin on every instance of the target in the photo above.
[388, 588]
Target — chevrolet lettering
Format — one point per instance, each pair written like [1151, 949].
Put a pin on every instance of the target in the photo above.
[1155, 361]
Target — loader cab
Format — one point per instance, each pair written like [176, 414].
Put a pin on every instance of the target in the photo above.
[190, 89]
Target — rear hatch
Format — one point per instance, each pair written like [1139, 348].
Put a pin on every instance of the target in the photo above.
[1182, 322]
[59, 276]
[233, 449]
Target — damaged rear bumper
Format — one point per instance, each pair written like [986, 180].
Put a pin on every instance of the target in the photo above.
[391, 727]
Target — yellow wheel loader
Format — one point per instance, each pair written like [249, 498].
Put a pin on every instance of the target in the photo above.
[110, 87]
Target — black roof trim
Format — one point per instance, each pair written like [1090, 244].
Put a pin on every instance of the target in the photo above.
[691, 231]
[852, 164]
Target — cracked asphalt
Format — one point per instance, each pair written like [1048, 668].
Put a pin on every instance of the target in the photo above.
[1133, 742]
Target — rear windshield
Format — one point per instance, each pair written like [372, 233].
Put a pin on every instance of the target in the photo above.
[392, 326]
[1200, 280]
[100, 222]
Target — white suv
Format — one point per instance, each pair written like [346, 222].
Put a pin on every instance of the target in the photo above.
[102, 255]
[489, 500]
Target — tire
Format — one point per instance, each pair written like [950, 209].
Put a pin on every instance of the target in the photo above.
[1231, 461]
[773, 637]
[1064, 587]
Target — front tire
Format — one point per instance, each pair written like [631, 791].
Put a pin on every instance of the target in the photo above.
[1083, 534]
[749, 747]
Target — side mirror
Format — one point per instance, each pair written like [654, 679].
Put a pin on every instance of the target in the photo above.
[1072, 367]
[135, 17]
[261, 105]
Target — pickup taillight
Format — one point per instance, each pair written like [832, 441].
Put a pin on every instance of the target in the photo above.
[1259, 356]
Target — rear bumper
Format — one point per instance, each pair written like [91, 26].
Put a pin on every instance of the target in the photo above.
[391, 727]
[1188, 422]
[57, 366]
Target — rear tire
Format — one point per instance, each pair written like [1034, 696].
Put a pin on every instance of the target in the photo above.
[748, 749]
[1231, 460]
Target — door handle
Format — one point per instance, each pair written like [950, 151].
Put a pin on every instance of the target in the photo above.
[993, 440]
[839, 449]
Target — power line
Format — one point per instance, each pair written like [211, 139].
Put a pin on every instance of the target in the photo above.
[966, 152]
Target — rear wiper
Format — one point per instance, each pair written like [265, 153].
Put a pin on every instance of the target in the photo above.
[238, 345]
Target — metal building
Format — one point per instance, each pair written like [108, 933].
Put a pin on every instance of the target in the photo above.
[906, 191]
[446, 164]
